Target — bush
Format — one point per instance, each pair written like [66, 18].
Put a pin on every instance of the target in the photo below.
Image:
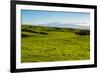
[24, 35]
[29, 30]
[43, 33]
[32, 31]
[83, 32]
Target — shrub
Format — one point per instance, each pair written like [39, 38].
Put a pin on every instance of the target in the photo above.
[83, 32]
[29, 30]
[25, 35]
[32, 31]
[43, 33]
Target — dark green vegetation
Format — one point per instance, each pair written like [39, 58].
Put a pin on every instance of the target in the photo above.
[43, 44]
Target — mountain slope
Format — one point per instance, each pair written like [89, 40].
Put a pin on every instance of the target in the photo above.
[65, 25]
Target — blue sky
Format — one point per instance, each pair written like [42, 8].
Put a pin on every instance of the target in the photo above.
[35, 17]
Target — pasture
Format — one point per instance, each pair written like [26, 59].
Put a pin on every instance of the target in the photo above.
[46, 44]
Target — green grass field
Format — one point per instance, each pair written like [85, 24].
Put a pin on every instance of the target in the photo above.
[44, 44]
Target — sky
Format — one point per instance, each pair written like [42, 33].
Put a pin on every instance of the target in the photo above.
[35, 17]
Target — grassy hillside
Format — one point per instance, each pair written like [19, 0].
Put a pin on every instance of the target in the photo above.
[43, 44]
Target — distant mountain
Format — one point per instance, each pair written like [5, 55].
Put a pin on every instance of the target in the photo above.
[65, 25]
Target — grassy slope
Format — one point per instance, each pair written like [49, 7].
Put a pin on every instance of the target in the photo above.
[56, 46]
